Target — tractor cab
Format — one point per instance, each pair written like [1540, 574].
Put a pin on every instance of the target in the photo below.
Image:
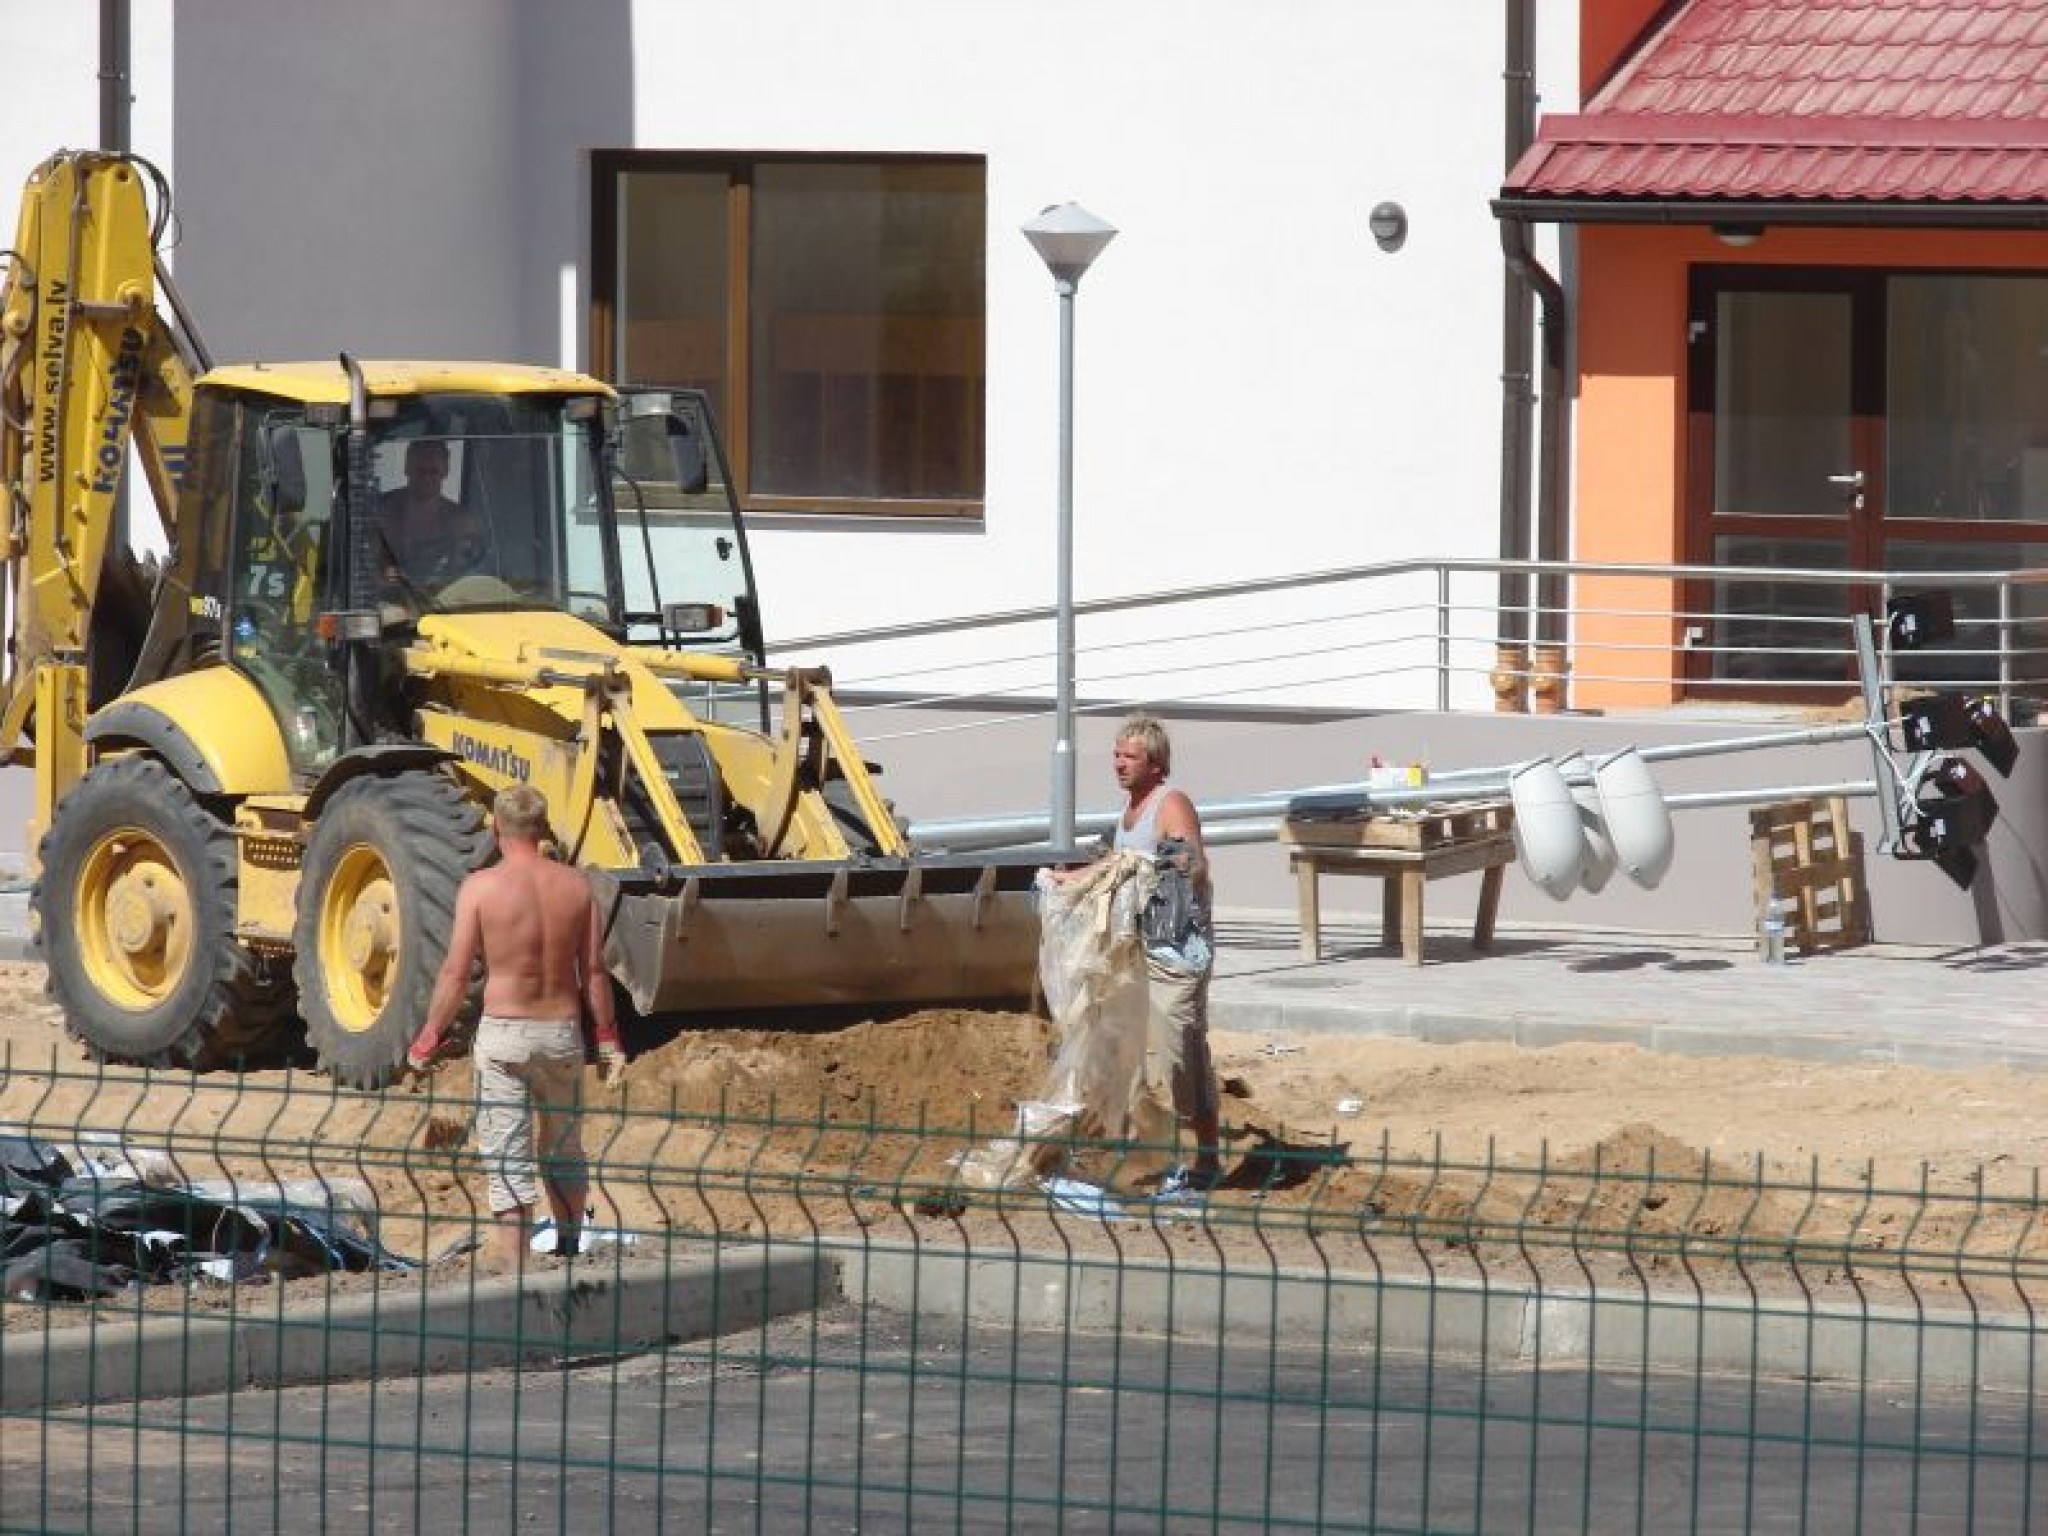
[474, 499]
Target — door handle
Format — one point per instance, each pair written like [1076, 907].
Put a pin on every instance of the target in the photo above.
[1852, 481]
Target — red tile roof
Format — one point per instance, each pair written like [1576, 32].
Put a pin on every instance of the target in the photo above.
[1813, 101]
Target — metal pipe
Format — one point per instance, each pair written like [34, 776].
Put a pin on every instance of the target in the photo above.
[1873, 710]
[115, 94]
[1517, 352]
[998, 830]
[359, 713]
[1222, 826]
[1064, 765]
[1553, 477]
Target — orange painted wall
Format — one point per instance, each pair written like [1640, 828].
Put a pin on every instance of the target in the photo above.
[1606, 29]
[1629, 463]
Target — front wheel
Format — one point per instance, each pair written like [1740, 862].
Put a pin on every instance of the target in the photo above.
[376, 909]
[135, 916]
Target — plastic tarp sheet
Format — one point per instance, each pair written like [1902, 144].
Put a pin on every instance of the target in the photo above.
[1112, 1070]
[83, 1222]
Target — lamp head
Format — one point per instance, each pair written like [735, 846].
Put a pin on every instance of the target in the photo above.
[1068, 238]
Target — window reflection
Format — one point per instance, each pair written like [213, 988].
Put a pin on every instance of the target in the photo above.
[1967, 419]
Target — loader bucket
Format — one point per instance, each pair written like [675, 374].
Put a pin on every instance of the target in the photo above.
[923, 931]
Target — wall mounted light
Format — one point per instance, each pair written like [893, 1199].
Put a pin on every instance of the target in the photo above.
[1389, 225]
[1738, 235]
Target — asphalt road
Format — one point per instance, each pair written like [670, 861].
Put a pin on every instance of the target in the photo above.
[842, 1421]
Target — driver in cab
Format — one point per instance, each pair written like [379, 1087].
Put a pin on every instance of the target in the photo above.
[428, 539]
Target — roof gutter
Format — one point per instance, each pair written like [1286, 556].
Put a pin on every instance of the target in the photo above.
[1790, 213]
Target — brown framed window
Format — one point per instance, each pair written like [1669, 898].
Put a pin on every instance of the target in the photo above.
[833, 307]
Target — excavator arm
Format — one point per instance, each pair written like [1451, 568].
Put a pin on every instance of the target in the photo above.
[88, 364]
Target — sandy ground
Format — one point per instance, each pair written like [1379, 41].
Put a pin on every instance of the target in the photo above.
[1364, 1154]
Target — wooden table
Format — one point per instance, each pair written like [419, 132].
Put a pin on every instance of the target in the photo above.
[1406, 852]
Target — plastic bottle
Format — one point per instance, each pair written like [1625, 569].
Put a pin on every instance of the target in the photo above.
[1773, 935]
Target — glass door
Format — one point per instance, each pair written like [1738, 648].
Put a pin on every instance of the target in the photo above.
[1786, 473]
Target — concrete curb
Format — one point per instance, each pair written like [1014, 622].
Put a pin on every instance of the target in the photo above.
[405, 1326]
[1503, 1325]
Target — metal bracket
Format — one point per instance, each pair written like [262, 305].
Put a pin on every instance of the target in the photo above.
[913, 893]
[835, 903]
[686, 906]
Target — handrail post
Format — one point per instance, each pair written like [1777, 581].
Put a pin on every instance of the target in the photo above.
[2005, 646]
[1443, 639]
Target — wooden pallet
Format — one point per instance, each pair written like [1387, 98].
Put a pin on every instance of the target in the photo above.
[1420, 830]
[1804, 853]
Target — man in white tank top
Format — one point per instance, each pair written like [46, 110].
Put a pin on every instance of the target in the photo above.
[1177, 981]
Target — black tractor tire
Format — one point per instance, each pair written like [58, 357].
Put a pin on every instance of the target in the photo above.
[861, 838]
[135, 918]
[376, 909]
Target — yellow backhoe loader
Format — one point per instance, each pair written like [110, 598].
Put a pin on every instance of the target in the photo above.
[261, 771]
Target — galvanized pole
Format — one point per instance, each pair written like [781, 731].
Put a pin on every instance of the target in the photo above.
[1064, 767]
[1067, 238]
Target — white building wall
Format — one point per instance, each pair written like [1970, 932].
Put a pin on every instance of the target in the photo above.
[1260, 389]
[52, 97]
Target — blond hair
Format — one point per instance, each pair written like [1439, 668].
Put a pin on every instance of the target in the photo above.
[1148, 733]
[522, 812]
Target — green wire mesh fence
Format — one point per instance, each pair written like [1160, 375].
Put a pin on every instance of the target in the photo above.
[256, 1303]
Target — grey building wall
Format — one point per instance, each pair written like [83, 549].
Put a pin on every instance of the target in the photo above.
[388, 177]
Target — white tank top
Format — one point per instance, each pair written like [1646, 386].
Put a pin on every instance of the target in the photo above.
[1142, 836]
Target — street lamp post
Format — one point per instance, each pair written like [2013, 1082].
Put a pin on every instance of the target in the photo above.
[1067, 238]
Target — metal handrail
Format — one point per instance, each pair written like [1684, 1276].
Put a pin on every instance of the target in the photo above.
[1441, 633]
[1444, 568]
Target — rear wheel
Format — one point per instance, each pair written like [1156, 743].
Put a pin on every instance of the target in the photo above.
[376, 908]
[135, 916]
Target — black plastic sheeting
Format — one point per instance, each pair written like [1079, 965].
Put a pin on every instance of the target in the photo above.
[72, 1235]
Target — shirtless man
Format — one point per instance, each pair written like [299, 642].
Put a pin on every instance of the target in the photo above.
[427, 537]
[538, 930]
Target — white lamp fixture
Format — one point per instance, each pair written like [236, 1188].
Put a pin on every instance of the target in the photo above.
[1548, 833]
[1638, 821]
[1598, 864]
[1068, 238]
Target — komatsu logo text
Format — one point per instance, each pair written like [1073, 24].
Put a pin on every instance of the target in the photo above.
[502, 761]
[120, 405]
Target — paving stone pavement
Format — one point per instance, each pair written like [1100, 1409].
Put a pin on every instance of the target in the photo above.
[1693, 994]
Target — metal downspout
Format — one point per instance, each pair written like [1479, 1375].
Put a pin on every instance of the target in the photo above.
[115, 95]
[1517, 391]
[1554, 477]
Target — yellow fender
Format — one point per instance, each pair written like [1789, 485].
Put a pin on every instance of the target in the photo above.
[212, 727]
